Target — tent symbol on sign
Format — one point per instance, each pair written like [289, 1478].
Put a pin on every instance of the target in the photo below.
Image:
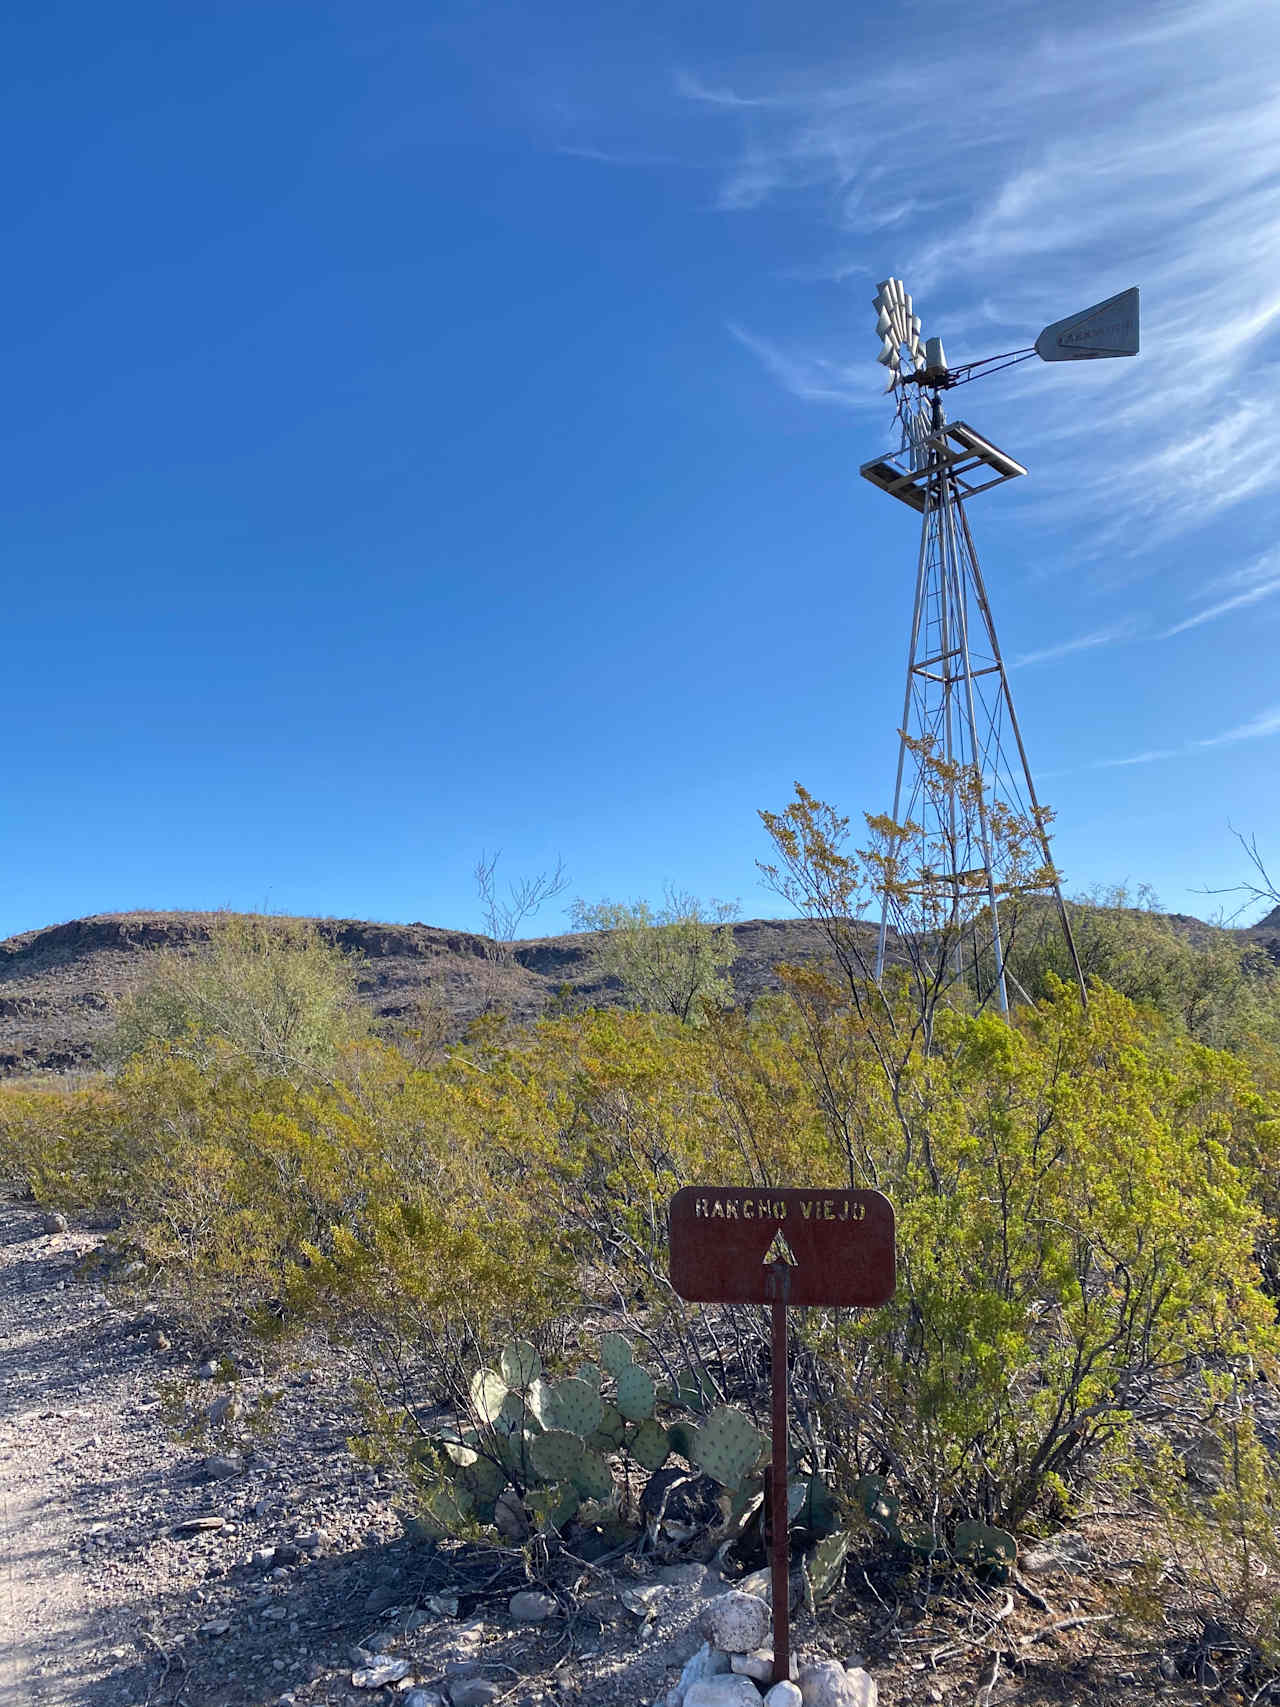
[780, 1251]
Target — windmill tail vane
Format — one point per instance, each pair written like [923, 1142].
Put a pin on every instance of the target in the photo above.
[958, 707]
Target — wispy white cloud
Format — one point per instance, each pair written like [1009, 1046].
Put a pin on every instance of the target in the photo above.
[1145, 758]
[1252, 597]
[1266, 723]
[808, 375]
[1141, 148]
[1256, 581]
[1081, 643]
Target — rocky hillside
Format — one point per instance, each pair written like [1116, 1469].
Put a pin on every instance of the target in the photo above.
[58, 986]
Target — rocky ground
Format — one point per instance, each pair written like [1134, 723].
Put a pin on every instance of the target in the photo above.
[246, 1569]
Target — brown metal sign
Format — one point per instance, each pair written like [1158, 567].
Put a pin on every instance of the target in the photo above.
[732, 1246]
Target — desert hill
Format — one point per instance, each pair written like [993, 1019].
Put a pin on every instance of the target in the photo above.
[58, 985]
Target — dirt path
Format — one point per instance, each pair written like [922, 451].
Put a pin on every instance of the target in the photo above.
[64, 1390]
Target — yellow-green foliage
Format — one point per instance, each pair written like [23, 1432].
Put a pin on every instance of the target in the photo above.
[1080, 1199]
[60, 1145]
[272, 990]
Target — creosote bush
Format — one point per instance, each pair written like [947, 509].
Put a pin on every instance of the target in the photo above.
[271, 990]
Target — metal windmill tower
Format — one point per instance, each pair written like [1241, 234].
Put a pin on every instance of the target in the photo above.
[963, 775]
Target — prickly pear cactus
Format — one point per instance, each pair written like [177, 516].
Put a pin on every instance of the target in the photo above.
[515, 1417]
[576, 1406]
[589, 1372]
[984, 1545]
[682, 1437]
[483, 1479]
[815, 1510]
[728, 1445]
[541, 1402]
[445, 1511]
[649, 1446]
[824, 1569]
[488, 1394]
[610, 1431]
[919, 1538]
[520, 1364]
[552, 1507]
[593, 1478]
[556, 1455]
[615, 1353]
[636, 1393]
[878, 1501]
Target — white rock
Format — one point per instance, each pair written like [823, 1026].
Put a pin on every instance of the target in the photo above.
[759, 1664]
[828, 1684]
[531, 1606]
[380, 1673]
[784, 1695]
[707, 1662]
[727, 1691]
[423, 1698]
[736, 1622]
[216, 1627]
[53, 1222]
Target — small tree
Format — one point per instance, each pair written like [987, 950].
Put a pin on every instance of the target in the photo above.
[673, 959]
[272, 989]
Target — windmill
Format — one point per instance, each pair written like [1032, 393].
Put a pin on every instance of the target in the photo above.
[963, 774]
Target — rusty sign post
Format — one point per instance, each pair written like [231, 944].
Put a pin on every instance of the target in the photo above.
[781, 1247]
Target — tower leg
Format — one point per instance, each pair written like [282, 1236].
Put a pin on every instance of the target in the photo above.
[917, 622]
[951, 508]
[980, 592]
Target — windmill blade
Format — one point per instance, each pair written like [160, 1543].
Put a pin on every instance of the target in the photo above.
[1109, 328]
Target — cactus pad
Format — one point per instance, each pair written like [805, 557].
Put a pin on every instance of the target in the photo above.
[727, 1446]
[593, 1478]
[615, 1353]
[484, 1480]
[445, 1510]
[552, 1507]
[488, 1394]
[824, 1568]
[878, 1501]
[589, 1372]
[636, 1393]
[541, 1403]
[682, 1436]
[610, 1431]
[520, 1364]
[921, 1539]
[576, 1407]
[984, 1545]
[817, 1511]
[556, 1455]
[650, 1447]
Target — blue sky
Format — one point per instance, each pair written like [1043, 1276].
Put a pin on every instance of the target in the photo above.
[436, 429]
